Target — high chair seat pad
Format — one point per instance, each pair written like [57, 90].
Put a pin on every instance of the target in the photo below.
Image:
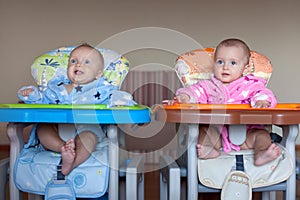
[213, 172]
[35, 168]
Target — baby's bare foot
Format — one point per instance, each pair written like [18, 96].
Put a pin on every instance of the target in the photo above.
[70, 144]
[265, 156]
[68, 156]
[207, 152]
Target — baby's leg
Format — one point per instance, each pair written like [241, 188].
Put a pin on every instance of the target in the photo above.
[85, 143]
[264, 150]
[209, 142]
[49, 138]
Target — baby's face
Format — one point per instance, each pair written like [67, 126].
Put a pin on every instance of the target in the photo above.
[85, 65]
[230, 63]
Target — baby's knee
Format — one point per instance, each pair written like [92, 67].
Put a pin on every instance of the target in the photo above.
[87, 137]
[258, 133]
[209, 129]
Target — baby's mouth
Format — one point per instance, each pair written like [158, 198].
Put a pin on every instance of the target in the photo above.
[225, 74]
[78, 72]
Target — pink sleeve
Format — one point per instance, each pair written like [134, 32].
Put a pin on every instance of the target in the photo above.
[196, 92]
[261, 92]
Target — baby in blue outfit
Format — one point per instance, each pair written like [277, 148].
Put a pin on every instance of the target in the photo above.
[84, 85]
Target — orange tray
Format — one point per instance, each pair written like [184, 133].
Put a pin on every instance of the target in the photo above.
[279, 106]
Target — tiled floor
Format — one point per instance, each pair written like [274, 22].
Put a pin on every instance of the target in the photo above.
[152, 183]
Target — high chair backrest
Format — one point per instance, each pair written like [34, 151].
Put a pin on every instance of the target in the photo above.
[55, 63]
[198, 64]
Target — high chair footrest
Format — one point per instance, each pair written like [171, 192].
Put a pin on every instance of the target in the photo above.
[277, 187]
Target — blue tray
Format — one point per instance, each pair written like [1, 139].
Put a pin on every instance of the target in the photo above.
[83, 114]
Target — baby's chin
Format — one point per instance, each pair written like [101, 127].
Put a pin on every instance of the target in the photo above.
[225, 81]
[80, 82]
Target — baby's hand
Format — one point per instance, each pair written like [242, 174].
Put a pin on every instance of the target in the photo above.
[26, 92]
[262, 104]
[181, 98]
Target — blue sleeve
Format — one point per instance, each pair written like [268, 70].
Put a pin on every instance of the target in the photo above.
[34, 97]
[120, 98]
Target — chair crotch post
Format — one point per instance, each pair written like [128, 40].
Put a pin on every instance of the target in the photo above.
[237, 133]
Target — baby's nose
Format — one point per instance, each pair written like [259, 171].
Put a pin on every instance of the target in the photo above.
[225, 66]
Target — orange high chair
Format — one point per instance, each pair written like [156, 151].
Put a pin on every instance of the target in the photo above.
[188, 174]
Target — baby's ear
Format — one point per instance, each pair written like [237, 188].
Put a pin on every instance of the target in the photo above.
[99, 74]
[247, 70]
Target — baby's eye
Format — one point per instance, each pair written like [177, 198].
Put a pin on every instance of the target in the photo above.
[86, 62]
[73, 61]
[233, 63]
[220, 62]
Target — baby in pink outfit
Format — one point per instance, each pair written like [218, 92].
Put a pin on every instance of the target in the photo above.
[228, 86]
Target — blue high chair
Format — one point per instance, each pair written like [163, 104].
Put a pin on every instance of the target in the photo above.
[184, 177]
[31, 168]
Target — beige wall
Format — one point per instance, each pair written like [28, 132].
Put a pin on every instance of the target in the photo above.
[30, 27]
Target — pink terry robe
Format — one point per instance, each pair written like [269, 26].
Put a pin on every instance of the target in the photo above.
[245, 90]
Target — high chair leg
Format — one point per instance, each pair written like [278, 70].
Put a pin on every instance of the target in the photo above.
[15, 134]
[169, 179]
[112, 133]
[135, 178]
[192, 178]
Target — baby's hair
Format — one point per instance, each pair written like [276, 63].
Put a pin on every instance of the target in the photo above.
[84, 44]
[237, 43]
